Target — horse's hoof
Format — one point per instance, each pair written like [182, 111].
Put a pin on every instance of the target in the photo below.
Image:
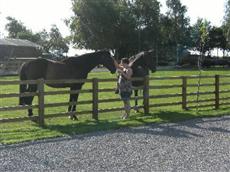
[136, 109]
[73, 117]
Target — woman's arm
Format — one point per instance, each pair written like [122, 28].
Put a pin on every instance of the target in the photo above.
[117, 65]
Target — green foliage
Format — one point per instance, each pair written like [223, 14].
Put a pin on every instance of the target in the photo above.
[174, 30]
[123, 26]
[54, 42]
[206, 37]
[217, 38]
[199, 35]
[14, 27]
[51, 42]
[129, 26]
[180, 23]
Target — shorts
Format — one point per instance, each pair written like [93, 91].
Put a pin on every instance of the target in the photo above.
[125, 96]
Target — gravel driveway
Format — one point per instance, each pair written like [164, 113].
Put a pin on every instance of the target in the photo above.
[193, 145]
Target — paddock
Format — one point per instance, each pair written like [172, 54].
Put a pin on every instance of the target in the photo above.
[182, 93]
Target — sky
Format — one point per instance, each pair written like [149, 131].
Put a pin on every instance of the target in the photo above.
[42, 14]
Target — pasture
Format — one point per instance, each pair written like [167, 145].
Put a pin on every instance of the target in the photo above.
[62, 126]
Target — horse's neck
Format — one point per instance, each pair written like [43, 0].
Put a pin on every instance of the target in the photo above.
[88, 63]
[92, 63]
[138, 63]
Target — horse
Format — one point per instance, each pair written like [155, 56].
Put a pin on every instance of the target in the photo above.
[141, 63]
[70, 68]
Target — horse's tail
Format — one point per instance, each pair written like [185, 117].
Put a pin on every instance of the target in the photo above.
[22, 87]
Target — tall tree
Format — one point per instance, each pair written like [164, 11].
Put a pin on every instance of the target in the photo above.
[226, 24]
[179, 31]
[118, 25]
[200, 35]
[51, 42]
[14, 27]
[180, 23]
[217, 38]
[56, 43]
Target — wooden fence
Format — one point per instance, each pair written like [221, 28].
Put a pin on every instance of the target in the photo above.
[183, 94]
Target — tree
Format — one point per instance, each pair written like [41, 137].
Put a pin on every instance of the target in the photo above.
[14, 27]
[226, 24]
[199, 35]
[56, 43]
[147, 14]
[124, 26]
[217, 38]
[180, 23]
[178, 29]
[51, 42]
[17, 30]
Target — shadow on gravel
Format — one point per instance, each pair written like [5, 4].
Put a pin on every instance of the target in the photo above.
[173, 124]
[185, 126]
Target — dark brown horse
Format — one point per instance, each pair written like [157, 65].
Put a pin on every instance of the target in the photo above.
[70, 68]
[141, 63]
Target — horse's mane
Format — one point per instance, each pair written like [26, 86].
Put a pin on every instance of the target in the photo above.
[83, 58]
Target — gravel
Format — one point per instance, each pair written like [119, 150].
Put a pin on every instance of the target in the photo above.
[195, 145]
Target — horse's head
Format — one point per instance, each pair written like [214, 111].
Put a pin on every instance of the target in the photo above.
[107, 61]
[150, 60]
[145, 59]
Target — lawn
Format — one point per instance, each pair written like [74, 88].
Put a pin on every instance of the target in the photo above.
[28, 131]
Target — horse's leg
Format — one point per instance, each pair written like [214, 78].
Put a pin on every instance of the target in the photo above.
[144, 93]
[75, 98]
[23, 89]
[29, 100]
[70, 100]
[72, 108]
[136, 101]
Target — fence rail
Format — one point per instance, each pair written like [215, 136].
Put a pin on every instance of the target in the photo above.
[182, 93]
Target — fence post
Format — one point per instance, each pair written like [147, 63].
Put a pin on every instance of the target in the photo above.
[217, 91]
[41, 104]
[184, 93]
[95, 98]
[146, 94]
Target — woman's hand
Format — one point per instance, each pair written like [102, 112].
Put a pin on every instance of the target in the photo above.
[119, 71]
[115, 63]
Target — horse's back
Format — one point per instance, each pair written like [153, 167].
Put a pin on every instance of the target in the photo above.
[34, 69]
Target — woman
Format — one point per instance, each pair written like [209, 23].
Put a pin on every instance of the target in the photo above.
[124, 84]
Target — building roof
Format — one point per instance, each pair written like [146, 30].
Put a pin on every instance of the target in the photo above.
[18, 42]
[19, 48]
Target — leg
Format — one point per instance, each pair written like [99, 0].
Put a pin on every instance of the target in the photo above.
[72, 108]
[29, 100]
[117, 89]
[136, 101]
[70, 100]
[127, 108]
[143, 96]
[23, 89]
[75, 98]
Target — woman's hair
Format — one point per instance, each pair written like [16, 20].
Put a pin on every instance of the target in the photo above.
[125, 60]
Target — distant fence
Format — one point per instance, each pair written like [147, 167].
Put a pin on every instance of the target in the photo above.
[182, 94]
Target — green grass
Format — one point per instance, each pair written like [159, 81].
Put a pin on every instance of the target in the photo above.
[28, 131]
